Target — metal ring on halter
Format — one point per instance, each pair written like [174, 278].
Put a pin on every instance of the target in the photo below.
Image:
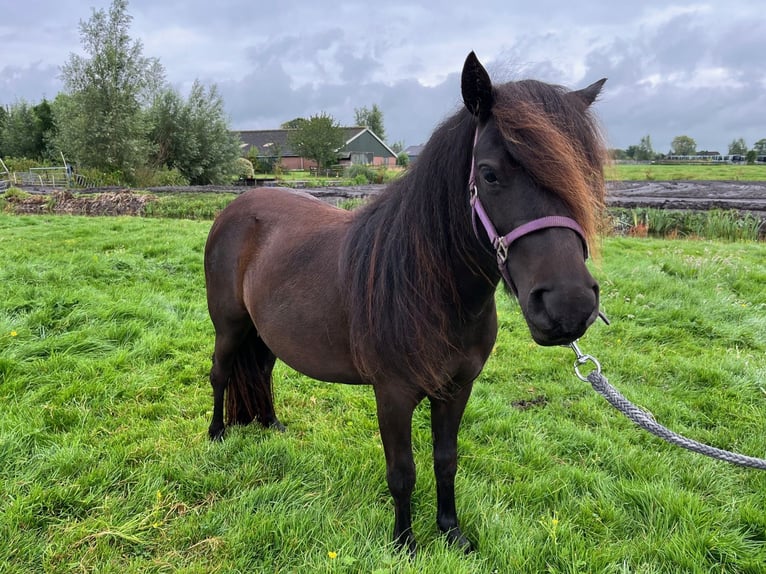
[582, 358]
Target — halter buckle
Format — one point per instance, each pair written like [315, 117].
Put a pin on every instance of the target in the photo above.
[502, 251]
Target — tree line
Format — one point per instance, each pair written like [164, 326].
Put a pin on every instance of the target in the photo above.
[119, 121]
[684, 145]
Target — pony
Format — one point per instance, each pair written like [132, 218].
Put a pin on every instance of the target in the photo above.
[400, 293]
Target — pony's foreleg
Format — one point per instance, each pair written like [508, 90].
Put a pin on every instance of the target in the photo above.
[395, 409]
[445, 421]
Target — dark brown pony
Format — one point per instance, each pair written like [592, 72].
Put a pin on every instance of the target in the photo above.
[400, 294]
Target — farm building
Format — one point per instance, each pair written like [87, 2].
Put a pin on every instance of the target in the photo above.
[362, 147]
[413, 152]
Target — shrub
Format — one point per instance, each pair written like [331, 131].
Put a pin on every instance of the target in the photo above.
[244, 168]
[20, 164]
[171, 177]
[357, 171]
[99, 178]
[11, 195]
[15, 193]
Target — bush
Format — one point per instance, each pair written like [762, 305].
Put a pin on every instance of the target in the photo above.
[170, 177]
[99, 178]
[11, 194]
[244, 168]
[159, 177]
[361, 174]
[15, 193]
[20, 164]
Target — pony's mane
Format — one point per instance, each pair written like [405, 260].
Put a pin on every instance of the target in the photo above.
[552, 133]
[399, 259]
[401, 289]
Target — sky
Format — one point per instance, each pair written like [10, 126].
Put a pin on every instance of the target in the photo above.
[673, 67]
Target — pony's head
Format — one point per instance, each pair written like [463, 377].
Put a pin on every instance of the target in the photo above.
[538, 157]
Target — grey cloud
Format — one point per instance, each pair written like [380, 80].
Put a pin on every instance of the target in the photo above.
[295, 58]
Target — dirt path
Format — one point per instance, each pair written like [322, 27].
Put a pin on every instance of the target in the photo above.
[694, 195]
[676, 195]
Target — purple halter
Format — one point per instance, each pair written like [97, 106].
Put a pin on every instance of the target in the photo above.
[501, 244]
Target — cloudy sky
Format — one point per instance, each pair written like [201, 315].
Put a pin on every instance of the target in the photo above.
[673, 67]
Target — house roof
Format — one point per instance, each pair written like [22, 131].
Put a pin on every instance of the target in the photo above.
[414, 150]
[266, 141]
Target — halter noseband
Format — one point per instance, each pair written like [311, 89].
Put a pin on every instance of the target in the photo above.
[501, 244]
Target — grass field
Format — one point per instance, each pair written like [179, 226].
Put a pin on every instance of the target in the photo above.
[682, 172]
[105, 465]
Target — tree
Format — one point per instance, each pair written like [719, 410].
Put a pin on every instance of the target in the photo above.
[101, 120]
[3, 120]
[318, 138]
[683, 145]
[293, 124]
[760, 147]
[372, 119]
[19, 134]
[193, 136]
[45, 128]
[165, 118]
[397, 147]
[645, 151]
[641, 152]
[618, 154]
[738, 147]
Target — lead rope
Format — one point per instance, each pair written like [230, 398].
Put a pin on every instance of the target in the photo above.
[646, 421]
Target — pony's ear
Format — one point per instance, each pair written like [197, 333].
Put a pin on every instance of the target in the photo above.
[588, 95]
[476, 87]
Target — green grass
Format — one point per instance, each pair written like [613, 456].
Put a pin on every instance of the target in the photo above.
[189, 205]
[670, 172]
[105, 465]
[729, 225]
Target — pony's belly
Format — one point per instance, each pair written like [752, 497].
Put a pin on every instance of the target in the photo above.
[319, 364]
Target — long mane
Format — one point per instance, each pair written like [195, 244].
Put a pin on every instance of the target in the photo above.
[557, 140]
[399, 259]
[401, 288]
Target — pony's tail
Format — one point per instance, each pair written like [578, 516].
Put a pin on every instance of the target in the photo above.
[249, 394]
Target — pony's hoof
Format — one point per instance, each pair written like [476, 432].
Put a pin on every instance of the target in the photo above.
[216, 434]
[455, 538]
[407, 544]
[277, 426]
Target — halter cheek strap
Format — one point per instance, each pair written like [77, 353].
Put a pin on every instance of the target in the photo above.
[502, 243]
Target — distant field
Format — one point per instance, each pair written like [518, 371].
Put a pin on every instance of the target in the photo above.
[686, 172]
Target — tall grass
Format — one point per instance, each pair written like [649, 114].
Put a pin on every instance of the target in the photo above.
[189, 205]
[727, 225]
[105, 466]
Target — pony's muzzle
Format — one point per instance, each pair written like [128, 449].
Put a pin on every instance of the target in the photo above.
[561, 314]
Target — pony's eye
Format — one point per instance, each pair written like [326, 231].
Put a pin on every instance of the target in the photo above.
[489, 175]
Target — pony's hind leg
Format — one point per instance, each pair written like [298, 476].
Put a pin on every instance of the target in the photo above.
[241, 381]
[226, 346]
